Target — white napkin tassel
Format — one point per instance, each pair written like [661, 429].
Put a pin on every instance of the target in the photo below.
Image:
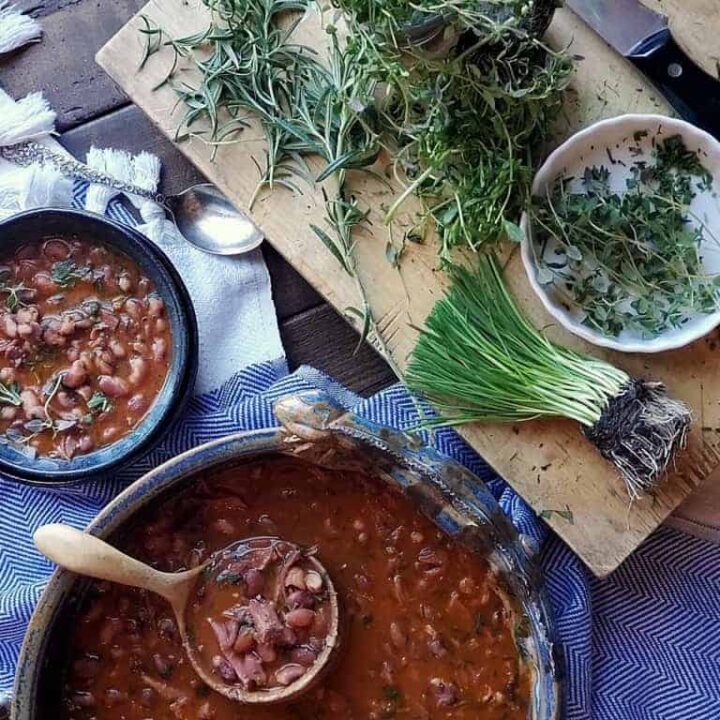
[16, 29]
[116, 163]
[29, 118]
[33, 187]
[146, 175]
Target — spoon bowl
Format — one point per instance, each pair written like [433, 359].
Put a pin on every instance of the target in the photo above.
[208, 220]
[88, 555]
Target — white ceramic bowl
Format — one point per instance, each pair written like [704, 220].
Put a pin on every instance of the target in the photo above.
[590, 147]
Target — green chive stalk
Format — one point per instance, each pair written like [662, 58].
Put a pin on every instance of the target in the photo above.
[480, 359]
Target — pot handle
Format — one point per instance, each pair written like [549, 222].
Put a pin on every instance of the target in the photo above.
[311, 415]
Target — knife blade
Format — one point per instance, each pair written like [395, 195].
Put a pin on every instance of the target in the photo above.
[643, 36]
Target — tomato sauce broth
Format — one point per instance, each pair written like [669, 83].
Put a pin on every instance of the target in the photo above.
[428, 635]
[84, 346]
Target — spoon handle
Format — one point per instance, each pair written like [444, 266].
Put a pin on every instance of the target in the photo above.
[88, 555]
[27, 153]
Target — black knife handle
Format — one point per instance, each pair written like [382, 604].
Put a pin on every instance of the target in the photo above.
[693, 93]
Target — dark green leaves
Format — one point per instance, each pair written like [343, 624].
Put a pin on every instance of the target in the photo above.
[99, 402]
[66, 273]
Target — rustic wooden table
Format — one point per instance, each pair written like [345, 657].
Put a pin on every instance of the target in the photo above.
[92, 110]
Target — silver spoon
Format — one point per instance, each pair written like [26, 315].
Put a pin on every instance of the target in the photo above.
[203, 215]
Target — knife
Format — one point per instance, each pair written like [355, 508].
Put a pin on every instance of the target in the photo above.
[643, 37]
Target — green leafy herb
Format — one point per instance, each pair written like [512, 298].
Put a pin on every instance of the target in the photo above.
[66, 273]
[479, 359]
[100, 403]
[14, 293]
[630, 260]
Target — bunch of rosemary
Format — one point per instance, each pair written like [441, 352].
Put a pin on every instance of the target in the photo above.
[469, 94]
[479, 359]
[629, 260]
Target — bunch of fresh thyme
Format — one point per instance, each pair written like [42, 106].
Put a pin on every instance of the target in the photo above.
[630, 260]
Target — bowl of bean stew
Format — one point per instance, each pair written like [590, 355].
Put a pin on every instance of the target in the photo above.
[444, 611]
[98, 345]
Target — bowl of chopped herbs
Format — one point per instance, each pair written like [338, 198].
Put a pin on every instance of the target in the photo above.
[622, 235]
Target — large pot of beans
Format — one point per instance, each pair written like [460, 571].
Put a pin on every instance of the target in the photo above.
[445, 615]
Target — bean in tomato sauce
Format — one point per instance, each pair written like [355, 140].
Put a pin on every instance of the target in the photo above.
[260, 614]
[84, 346]
[428, 635]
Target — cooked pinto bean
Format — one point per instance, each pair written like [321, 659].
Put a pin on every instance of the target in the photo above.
[9, 326]
[31, 405]
[138, 403]
[159, 349]
[56, 249]
[76, 375]
[289, 673]
[8, 412]
[139, 368]
[300, 618]
[113, 387]
[118, 349]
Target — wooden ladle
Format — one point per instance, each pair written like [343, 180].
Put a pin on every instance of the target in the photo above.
[88, 555]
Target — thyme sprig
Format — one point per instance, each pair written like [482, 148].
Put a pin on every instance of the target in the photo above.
[629, 260]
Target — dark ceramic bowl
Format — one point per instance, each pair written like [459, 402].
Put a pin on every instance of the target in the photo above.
[316, 431]
[36, 224]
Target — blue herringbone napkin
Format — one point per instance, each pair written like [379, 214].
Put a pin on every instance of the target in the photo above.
[643, 644]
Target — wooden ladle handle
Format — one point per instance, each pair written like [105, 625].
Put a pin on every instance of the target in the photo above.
[88, 555]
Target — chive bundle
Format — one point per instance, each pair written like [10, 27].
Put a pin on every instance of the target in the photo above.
[480, 359]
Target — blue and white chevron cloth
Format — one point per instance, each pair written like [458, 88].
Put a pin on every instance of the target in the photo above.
[643, 644]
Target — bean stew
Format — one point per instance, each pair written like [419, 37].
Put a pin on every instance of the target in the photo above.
[84, 346]
[428, 635]
[261, 614]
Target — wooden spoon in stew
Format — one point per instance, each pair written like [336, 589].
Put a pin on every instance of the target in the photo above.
[259, 620]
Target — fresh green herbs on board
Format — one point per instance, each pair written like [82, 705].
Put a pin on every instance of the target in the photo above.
[629, 260]
[480, 359]
[459, 95]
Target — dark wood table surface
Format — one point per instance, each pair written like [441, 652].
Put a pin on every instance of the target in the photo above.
[92, 110]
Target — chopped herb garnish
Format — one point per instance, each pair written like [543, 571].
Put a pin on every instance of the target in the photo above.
[391, 693]
[99, 403]
[13, 300]
[10, 394]
[66, 273]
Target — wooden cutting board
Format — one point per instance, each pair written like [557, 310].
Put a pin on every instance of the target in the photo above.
[548, 463]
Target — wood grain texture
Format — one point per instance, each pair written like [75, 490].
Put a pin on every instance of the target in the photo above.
[62, 64]
[549, 463]
[322, 338]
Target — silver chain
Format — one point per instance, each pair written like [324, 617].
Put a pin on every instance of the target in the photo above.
[31, 152]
